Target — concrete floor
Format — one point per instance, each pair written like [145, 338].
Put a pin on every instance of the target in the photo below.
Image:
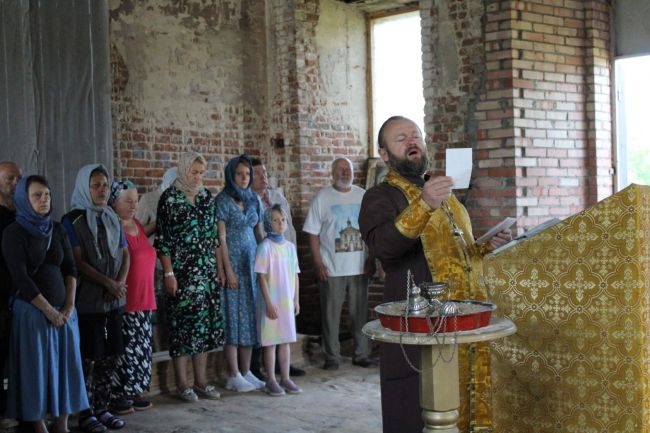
[342, 401]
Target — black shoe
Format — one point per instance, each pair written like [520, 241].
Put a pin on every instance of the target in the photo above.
[331, 365]
[141, 404]
[364, 363]
[293, 371]
[122, 407]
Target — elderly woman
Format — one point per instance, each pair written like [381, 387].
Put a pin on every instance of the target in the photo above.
[45, 372]
[102, 258]
[146, 214]
[239, 213]
[134, 367]
[187, 242]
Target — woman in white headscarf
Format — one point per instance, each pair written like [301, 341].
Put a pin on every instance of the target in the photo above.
[186, 240]
[100, 251]
[134, 367]
[148, 204]
[146, 214]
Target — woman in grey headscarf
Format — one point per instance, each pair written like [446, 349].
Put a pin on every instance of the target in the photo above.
[100, 251]
[186, 240]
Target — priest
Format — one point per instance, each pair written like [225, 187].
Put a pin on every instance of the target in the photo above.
[412, 221]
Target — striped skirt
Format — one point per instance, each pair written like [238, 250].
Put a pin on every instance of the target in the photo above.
[133, 370]
[45, 372]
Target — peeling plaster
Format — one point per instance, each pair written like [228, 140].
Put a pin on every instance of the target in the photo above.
[186, 60]
[342, 58]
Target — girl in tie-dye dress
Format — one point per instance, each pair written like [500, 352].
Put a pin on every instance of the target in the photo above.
[276, 265]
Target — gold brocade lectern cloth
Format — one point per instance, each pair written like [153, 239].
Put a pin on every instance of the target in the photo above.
[579, 294]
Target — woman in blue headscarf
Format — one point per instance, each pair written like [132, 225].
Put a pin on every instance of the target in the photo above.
[45, 372]
[102, 257]
[239, 216]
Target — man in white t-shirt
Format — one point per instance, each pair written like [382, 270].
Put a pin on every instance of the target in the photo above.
[340, 257]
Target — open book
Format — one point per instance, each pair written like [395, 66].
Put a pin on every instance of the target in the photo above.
[505, 224]
[529, 234]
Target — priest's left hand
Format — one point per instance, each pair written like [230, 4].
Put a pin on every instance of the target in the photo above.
[501, 238]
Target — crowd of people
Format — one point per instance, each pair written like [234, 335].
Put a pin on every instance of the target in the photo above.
[77, 297]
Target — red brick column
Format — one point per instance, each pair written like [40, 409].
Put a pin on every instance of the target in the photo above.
[598, 66]
[542, 143]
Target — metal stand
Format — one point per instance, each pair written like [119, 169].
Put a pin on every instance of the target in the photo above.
[439, 383]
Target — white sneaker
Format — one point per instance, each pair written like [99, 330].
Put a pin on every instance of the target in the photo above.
[239, 384]
[188, 394]
[250, 377]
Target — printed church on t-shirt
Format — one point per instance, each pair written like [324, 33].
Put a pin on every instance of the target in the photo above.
[334, 217]
[349, 240]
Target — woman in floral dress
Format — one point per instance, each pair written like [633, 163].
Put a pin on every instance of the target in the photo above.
[187, 246]
[239, 215]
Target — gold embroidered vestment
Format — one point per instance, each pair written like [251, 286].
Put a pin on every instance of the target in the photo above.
[459, 263]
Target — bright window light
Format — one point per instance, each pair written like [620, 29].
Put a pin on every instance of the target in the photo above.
[396, 55]
[633, 129]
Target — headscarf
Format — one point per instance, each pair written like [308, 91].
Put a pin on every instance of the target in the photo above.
[168, 178]
[184, 166]
[27, 217]
[268, 228]
[246, 196]
[117, 187]
[81, 199]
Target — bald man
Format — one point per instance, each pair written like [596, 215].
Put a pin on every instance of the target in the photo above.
[340, 262]
[10, 174]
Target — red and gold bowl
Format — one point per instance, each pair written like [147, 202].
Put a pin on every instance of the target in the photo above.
[471, 315]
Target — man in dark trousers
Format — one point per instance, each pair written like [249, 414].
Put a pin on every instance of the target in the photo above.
[408, 222]
[10, 174]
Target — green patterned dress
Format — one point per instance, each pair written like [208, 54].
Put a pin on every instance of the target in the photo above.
[188, 235]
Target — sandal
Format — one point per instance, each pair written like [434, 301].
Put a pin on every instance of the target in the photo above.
[110, 420]
[90, 424]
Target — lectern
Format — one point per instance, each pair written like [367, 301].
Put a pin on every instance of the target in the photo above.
[579, 294]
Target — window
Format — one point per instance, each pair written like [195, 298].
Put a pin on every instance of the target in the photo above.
[396, 70]
[632, 127]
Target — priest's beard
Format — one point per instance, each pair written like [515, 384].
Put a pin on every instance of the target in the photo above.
[408, 168]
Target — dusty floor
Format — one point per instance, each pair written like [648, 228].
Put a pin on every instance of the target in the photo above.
[342, 401]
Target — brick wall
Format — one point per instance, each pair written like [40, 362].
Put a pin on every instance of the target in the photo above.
[524, 83]
[228, 77]
[323, 129]
[543, 138]
[598, 67]
[172, 92]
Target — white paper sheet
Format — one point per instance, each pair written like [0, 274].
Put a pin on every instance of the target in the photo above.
[459, 166]
[505, 224]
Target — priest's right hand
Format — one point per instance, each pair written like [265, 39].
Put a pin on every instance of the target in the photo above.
[436, 190]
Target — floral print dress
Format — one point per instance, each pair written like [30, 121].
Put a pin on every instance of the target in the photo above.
[240, 304]
[188, 235]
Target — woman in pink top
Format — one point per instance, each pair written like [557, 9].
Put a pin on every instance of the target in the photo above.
[134, 367]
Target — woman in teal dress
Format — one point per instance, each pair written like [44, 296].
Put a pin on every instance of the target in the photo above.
[239, 215]
[187, 246]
